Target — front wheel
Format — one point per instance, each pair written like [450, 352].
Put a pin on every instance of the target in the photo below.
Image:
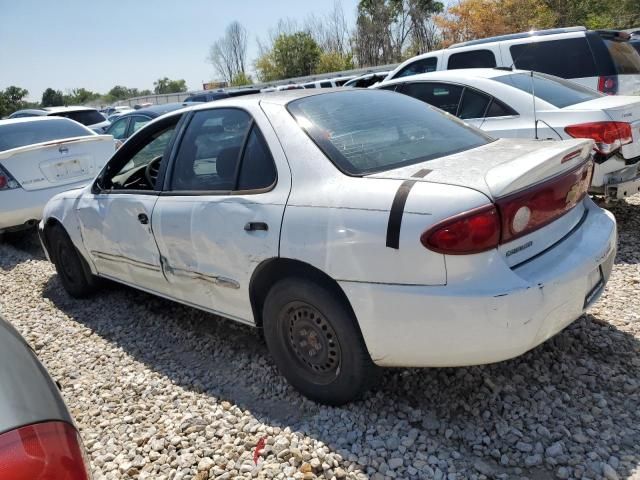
[314, 340]
[74, 276]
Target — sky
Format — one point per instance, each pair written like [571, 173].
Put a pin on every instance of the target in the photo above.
[65, 44]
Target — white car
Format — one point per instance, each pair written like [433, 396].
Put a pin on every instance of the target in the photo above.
[41, 157]
[502, 104]
[356, 227]
[602, 60]
[329, 82]
[367, 80]
[87, 116]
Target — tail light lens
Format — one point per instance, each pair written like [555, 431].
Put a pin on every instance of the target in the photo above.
[7, 182]
[50, 450]
[511, 217]
[535, 207]
[609, 136]
[608, 84]
[471, 232]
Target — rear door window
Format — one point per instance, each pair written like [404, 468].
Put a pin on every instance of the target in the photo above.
[474, 104]
[499, 109]
[442, 95]
[567, 58]
[625, 58]
[472, 59]
[119, 128]
[325, 85]
[423, 65]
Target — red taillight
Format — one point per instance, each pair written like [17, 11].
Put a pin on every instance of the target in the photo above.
[608, 85]
[50, 450]
[7, 182]
[609, 136]
[471, 232]
[3, 181]
[511, 217]
[535, 207]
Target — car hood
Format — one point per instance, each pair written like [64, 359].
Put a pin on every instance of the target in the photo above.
[28, 395]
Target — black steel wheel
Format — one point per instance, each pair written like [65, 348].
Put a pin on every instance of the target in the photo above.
[315, 341]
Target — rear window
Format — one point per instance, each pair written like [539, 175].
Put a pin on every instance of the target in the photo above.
[423, 65]
[472, 59]
[568, 58]
[17, 135]
[556, 91]
[367, 131]
[625, 57]
[85, 117]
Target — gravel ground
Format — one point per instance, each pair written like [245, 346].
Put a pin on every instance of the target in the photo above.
[163, 391]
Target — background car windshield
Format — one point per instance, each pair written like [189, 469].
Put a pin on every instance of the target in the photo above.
[16, 135]
[85, 117]
[556, 91]
[365, 131]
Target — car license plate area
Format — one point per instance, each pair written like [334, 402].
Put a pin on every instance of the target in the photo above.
[67, 169]
[595, 284]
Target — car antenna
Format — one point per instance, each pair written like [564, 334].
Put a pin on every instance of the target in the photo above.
[535, 115]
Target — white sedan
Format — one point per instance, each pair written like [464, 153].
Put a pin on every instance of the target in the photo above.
[501, 103]
[41, 157]
[357, 228]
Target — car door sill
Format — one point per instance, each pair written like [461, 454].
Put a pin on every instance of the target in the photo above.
[184, 302]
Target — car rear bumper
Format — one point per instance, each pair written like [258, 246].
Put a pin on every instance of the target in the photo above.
[21, 208]
[453, 325]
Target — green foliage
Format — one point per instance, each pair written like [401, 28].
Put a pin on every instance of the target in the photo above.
[52, 98]
[333, 62]
[165, 85]
[294, 55]
[12, 99]
[80, 96]
[241, 79]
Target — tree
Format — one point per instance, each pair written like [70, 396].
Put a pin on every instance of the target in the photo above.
[12, 99]
[79, 96]
[52, 98]
[165, 85]
[333, 62]
[472, 19]
[241, 79]
[296, 55]
[228, 54]
[331, 32]
[118, 93]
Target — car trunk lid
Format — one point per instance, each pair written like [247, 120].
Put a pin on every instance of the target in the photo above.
[59, 162]
[549, 178]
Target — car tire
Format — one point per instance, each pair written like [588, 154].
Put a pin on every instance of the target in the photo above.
[315, 342]
[73, 272]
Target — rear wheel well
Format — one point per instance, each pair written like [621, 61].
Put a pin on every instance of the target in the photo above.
[273, 270]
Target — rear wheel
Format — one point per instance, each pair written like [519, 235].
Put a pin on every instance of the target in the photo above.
[72, 270]
[314, 340]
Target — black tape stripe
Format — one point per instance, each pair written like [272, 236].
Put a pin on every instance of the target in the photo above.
[397, 208]
[422, 173]
[395, 215]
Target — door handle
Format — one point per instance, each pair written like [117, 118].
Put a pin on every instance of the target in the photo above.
[143, 219]
[252, 226]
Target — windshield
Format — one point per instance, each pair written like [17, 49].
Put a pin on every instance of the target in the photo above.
[15, 135]
[367, 131]
[85, 117]
[556, 91]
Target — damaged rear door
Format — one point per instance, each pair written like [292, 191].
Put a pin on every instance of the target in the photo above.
[220, 213]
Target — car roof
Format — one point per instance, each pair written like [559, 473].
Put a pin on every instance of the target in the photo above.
[35, 119]
[32, 111]
[67, 109]
[157, 110]
[515, 36]
[456, 75]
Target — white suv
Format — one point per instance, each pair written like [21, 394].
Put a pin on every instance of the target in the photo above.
[602, 60]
